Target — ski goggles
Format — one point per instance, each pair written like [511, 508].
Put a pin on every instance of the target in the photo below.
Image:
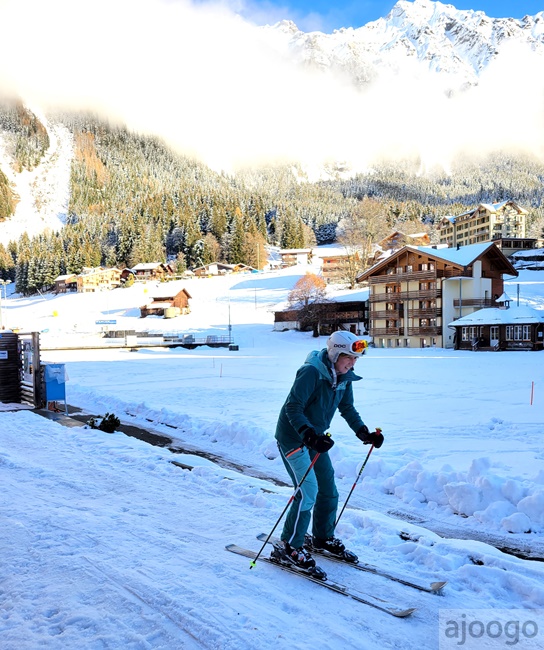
[358, 347]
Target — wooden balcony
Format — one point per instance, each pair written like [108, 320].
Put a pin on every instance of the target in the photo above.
[474, 302]
[424, 331]
[418, 275]
[428, 294]
[425, 313]
[387, 313]
[386, 331]
[402, 277]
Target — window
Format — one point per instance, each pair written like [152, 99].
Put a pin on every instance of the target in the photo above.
[518, 332]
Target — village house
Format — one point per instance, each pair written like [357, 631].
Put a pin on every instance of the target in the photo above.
[221, 268]
[292, 256]
[500, 328]
[417, 291]
[167, 302]
[503, 223]
[349, 312]
[334, 262]
[394, 241]
[98, 279]
[151, 271]
[65, 283]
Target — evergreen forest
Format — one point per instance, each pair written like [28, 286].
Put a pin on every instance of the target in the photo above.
[134, 199]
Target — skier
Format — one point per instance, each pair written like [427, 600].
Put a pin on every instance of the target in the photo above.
[322, 385]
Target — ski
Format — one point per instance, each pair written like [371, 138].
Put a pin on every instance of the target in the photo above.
[433, 588]
[378, 603]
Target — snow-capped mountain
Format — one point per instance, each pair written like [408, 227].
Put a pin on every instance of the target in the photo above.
[452, 42]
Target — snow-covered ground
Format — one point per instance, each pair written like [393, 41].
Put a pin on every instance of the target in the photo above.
[107, 544]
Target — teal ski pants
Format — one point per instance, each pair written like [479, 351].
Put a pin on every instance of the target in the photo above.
[317, 492]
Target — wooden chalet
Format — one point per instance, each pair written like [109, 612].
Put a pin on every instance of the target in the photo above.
[292, 256]
[221, 268]
[327, 317]
[395, 241]
[334, 262]
[152, 271]
[500, 328]
[65, 283]
[416, 292]
[398, 239]
[167, 302]
[98, 279]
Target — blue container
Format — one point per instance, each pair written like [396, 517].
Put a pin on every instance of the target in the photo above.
[55, 382]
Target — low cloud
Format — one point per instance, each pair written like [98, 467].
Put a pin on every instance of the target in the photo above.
[215, 86]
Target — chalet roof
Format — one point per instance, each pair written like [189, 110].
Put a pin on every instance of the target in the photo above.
[495, 316]
[220, 265]
[347, 295]
[460, 257]
[288, 251]
[97, 271]
[166, 293]
[60, 278]
[147, 266]
[330, 250]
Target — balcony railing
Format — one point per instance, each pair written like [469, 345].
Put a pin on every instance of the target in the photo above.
[424, 331]
[386, 331]
[474, 302]
[418, 275]
[428, 294]
[425, 313]
[399, 277]
[387, 313]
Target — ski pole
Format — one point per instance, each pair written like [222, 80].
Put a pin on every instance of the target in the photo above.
[252, 564]
[378, 430]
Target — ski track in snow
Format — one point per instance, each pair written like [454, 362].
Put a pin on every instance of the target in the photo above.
[43, 193]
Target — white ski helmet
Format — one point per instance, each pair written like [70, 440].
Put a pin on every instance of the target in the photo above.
[343, 342]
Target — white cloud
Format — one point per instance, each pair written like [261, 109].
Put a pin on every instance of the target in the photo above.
[210, 83]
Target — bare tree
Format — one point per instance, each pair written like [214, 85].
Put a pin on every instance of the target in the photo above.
[308, 297]
[364, 226]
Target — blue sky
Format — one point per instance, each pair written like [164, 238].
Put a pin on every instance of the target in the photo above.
[327, 15]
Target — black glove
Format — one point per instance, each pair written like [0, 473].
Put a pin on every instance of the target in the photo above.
[375, 438]
[321, 444]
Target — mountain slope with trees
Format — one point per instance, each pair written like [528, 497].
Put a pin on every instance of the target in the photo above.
[133, 199]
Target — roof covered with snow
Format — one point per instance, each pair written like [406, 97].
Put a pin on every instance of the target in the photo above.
[462, 256]
[495, 316]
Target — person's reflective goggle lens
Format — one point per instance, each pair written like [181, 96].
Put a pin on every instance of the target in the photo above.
[359, 346]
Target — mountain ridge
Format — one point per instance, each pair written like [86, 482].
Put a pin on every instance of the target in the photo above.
[458, 43]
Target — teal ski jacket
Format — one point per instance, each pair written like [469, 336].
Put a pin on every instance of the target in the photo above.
[313, 400]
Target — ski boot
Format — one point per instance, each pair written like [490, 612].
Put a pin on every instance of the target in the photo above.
[298, 558]
[330, 546]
